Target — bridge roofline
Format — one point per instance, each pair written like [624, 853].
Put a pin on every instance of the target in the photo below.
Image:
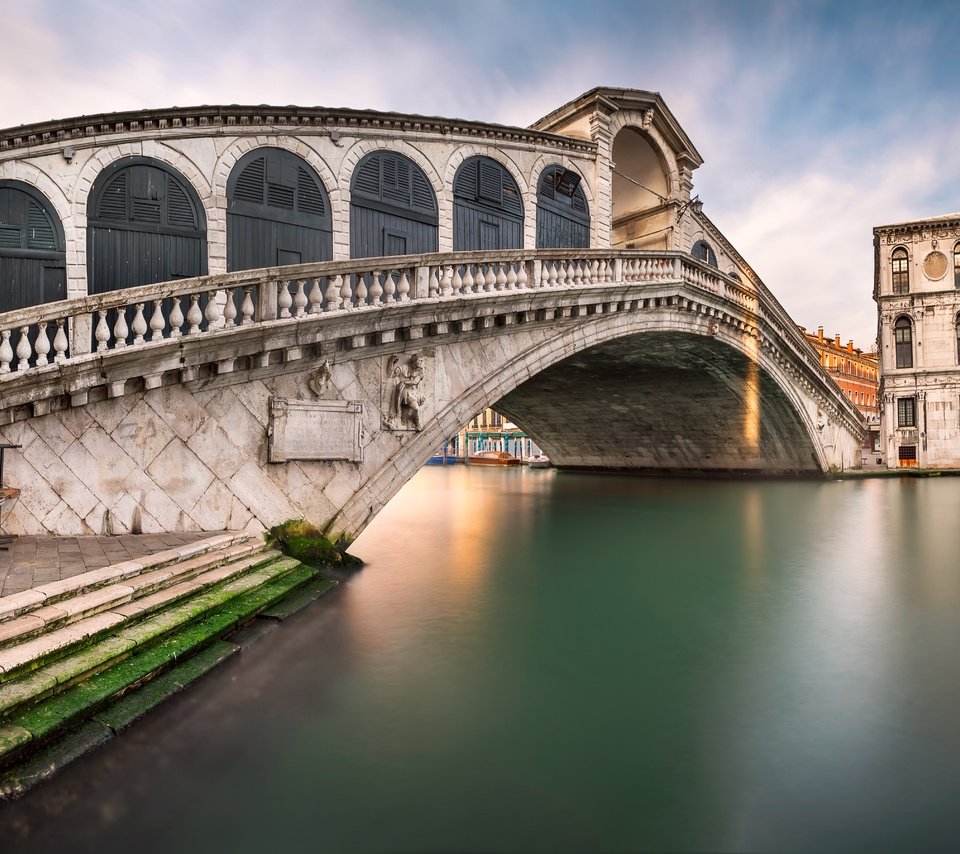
[609, 99]
[247, 119]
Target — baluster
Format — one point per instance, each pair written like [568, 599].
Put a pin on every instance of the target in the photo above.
[403, 287]
[361, 291]
[300, 298]
[194, 315]
[60, 343]
[246, 307]
[561, 277]
[229, 309]
[284, 300]
[551, 276]
[479, 280]
[489, 279]
[102, 333]
[176, 319]
[502, 277]
[23, 349]
[379, 287]
[511, 277]
[522, 275]
[156, 321]
[572, 273]
[346, 292]
[390, 287]
[433, 288]
[6, 352]
[467, 281]
[212, 311]
[334, 283]
[316, 297]
[446, 282]
[120, 328]
[457, 282]
[42, 347]
[139, 324]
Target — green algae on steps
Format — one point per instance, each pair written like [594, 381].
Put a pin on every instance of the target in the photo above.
[61, 711]
[304, 541]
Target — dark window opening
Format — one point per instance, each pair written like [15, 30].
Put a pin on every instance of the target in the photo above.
[901, 275]
[903, 341]
[906, 412]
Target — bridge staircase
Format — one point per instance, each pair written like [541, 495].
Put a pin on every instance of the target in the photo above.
[83, 658]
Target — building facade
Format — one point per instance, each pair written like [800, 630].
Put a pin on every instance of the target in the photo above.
[858, 375]
[917, 291]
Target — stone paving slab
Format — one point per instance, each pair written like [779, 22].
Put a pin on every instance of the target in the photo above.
[31, 561]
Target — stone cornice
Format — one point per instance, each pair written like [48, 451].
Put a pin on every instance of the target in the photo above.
[606, 100]
[218, 120]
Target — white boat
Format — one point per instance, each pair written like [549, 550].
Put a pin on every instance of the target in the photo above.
[539, 462]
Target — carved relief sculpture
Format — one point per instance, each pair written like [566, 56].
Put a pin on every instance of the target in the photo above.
[405, 395]
[320, 378]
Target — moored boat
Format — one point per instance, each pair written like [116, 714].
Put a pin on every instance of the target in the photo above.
[542, 461]
[493, 458]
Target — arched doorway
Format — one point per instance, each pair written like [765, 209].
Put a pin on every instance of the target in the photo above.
[32, 254]
[393, 209]
[487, 208]
[642, 217]
[278, 212]
[563, 218]
[145, 224]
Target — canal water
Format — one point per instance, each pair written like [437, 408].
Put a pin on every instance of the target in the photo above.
[532, 661]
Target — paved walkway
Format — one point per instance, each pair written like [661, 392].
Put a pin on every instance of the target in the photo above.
[31, 561]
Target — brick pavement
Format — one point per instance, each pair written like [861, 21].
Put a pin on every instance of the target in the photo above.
[31, 561]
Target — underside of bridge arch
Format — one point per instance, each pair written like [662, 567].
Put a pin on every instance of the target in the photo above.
[663, 402]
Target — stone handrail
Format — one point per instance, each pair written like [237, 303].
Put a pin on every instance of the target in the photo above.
[34, 337]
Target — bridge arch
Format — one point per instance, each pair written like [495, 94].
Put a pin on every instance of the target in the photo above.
[791, 416]
[145, 224]
[278, 211]
[32, 248]
[466, 152]
[223, 168]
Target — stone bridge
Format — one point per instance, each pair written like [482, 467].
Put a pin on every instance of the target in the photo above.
[224, 316]
[243, 399]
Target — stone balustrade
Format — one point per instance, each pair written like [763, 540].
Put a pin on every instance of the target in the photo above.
[56, 333]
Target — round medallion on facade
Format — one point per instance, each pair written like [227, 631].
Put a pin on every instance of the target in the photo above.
[935, 265]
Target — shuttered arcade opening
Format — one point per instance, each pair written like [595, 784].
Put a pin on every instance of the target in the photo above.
[487, 208]
[278, 212]
[145, 225]
[32, 257]
[563, 219]
[393, 209]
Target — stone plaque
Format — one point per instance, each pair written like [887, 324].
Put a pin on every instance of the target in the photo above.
[315, 430]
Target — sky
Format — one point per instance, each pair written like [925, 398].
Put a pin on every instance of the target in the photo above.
[816, 120]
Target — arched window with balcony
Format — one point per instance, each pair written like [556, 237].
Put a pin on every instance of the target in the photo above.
[899, 268]
[903, 340]
[703, 251]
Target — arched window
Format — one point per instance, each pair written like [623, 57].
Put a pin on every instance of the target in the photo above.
[903, 339]
[145, 224]
[956, 265]
[899, 261]
[733, 274]
[32, 257]
[393, 209]
[487, 208]
[563, 220]
[703, 251]
[956, 326]
[278, 212]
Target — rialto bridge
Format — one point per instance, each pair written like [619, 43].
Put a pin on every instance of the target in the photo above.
[224, 317]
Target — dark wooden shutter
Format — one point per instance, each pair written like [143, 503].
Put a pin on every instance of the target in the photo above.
[563, 221]
[487, 207]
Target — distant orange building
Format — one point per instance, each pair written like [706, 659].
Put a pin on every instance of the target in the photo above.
[857, 374]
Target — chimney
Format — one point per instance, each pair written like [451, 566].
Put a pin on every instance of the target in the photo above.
[836, 340]
[820, 333]
[850, 346]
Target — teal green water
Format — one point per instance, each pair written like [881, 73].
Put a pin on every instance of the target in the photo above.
[542, 662]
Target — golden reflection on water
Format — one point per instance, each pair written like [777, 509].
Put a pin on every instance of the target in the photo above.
[754, 544]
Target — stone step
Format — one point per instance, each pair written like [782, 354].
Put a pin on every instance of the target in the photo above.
[190, 627]
[117, 607]
[125, 636]
[26, 601]
[45, 618]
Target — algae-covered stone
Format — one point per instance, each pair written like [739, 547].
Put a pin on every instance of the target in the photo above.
[305, 542]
